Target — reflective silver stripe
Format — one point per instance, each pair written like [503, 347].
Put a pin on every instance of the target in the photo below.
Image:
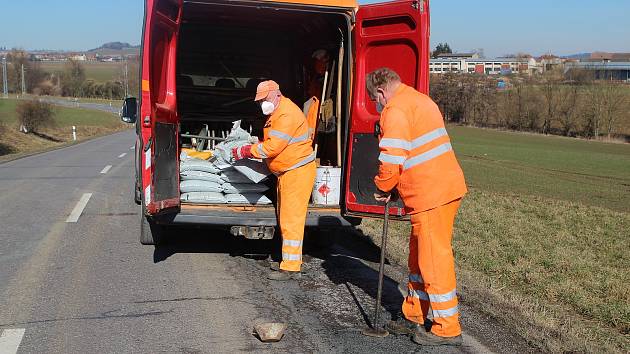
[406, 145]
[281, 135]
[419, 294]
[445, 313]
[306, 160]
[291, 257]
[428, 137]
[422, 295]
[261, 152]
[443, 297]
[424, 157]
[416, 278]
[395, 143]
[300, 138]
[292, 243]
[396, 160]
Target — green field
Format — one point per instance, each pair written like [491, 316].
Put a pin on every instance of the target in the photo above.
[97, 71]
[64, 116]
[542, 240]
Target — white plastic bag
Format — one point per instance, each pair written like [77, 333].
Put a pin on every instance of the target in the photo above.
[199, 186]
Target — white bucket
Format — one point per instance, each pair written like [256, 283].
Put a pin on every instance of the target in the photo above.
[327, 188]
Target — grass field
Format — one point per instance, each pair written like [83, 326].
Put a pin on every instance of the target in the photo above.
[542, 240]
[88, 122]
[97, 71]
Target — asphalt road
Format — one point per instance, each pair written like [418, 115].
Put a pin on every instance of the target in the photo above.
[90, 287]
[67, 102]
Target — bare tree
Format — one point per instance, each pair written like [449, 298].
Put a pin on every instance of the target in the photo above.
[568, 108]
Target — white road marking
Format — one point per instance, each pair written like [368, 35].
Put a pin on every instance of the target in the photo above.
[106, 169]
[131, 148]
[10, 340]
[122, 155]
[78, 209]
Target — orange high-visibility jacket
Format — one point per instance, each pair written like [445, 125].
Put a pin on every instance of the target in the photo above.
[416, 153]
[287, 144]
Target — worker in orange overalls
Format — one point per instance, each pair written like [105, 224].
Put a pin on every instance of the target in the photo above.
[287, 150]
[417, 159]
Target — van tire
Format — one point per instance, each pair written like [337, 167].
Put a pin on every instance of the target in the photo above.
[150, 232]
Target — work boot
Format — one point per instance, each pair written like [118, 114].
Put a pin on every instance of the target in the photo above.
[275, 266]
[283, 275]
[423, 337]
[402, 326]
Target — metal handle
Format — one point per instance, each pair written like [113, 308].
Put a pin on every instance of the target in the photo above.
[381, 270]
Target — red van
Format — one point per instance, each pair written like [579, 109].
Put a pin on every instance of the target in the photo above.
[201, 62]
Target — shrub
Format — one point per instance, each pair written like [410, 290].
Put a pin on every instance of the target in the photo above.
[34, 115]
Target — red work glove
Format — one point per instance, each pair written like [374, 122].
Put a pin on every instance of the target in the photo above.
[243, 152]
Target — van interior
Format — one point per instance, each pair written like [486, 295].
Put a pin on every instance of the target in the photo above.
[226, 49]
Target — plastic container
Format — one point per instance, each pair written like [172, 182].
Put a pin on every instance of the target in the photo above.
[327, 188]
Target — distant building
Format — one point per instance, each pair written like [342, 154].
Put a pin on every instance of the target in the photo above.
[608, 70]
[608, 57]
[497, 66]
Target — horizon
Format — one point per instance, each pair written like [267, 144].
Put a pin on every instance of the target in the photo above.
[559, 30]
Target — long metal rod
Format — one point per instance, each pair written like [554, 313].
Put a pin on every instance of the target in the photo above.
[381, 269]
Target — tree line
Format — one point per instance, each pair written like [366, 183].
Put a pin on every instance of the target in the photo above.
[553, 103]
[71, 81]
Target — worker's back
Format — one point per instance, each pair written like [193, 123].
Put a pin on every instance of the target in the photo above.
[431, 175]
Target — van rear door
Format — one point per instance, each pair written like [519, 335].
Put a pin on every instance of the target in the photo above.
[394, 35]
[160, 128]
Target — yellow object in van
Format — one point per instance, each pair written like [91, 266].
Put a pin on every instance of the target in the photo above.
[204, 155]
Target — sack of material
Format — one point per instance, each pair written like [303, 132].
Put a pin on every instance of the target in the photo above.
[193, 154]
[203, 197]
[199, 186]
[240, 188]
[255, 170]
[198, 165]
[236, 138]
[233, 176]
[201, 175]
[248, 198]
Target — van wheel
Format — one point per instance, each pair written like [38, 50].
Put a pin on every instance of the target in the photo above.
[150, 232]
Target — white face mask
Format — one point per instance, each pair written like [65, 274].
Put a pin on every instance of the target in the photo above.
[267, 108]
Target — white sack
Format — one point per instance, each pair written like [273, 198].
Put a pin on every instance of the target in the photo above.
[201, 175]
[255, 170]
[233, 176]
[199, 186]
[204, 197]
[249, 198]
[198, 165]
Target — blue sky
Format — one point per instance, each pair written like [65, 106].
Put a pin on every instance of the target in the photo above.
[499, 27]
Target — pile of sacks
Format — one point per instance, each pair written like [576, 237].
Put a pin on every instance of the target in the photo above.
[221, 180]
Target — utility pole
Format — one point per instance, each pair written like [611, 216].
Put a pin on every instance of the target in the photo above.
[126, 77]
[5, 87]
[23, 83]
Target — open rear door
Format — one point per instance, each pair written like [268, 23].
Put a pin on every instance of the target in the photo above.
[160, 128]
[394, 35]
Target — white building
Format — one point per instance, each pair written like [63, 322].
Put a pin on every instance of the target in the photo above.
[496, 66]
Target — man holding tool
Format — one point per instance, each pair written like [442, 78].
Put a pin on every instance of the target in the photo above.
[287, 150]
[418, 161]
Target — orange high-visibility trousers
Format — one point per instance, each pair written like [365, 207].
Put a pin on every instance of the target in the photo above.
[294, 192]
[432, 271]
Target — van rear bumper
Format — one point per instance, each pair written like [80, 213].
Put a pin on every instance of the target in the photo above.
[250, 216]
